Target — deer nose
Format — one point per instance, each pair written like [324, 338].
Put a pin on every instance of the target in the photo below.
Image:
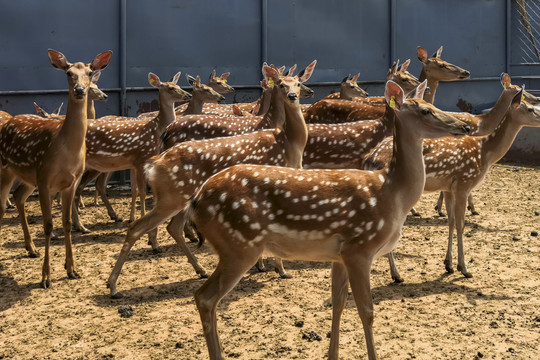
[221, 99]
[292, 96]
[105, 96]
[79, 91]
[467, 129]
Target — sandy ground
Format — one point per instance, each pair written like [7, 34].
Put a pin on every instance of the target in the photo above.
[432, 315]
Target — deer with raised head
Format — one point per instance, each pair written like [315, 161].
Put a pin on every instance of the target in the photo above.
[50, 155]
[349, 89]
[348, 217]
[175, 174]
[436, 70]
[219, 83]
[117, 143]
[457, 166]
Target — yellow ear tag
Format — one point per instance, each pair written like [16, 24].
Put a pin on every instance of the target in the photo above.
[393, 102]
[224, 80]
[522, 97]
[270, 82]
[152, 81]
[506, 84]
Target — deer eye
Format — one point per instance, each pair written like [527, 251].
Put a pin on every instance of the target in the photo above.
[531, 109]
[426, 111]
[441, 65]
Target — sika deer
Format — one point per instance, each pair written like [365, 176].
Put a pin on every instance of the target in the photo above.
[175, 174]
[458, 166]
[53, 160]
[116, 143]
[348, 217]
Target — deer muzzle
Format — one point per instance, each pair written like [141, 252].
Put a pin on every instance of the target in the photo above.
[79, 91]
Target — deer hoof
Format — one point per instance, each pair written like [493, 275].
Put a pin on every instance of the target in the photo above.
[73, 275]
[397, 279]
[33, 254]
[448, 267]
[464, 271]
[285, 276]
[203, 275]
[474, 213]
[116, 296]
[45, 284]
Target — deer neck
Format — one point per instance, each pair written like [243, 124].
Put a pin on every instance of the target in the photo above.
[74, 127]
[495, 146]
[406, 173]
[489, 121]
[90, 110]
[166, 115]
[296, 133]
[388, 120]
[343, 93]
[265, 102]
[275, 116]
[433, 84]
[195, 105]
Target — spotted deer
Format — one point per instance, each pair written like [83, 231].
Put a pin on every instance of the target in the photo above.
[50, 155]
[116, 143]
[458, 166]
[175, 174]
[349, 89]
[348, 217]
[219, 83]
[436, 70]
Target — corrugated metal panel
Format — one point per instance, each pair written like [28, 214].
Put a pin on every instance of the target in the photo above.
[197, 36]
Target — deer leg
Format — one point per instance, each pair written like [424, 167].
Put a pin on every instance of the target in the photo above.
[87, 176]
[45, 202]
[6, 181]
[450, 207]
[191, 233]
[358, 269]
[438, 207]
[67, 205]
[278, 263]
[175, 229]
[134, 188]
[137, 228]
[20, 195]
[229, 271]
[393, 269]
[414, 212]
[260, 265]
[460, 208]
[340, 289]
[471, 205]
[101, 189]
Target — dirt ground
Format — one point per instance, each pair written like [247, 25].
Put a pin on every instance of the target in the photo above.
[432, 315]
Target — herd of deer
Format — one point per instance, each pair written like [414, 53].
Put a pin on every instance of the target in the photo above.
[333, 181]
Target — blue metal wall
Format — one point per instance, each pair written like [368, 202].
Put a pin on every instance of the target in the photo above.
[197, 36]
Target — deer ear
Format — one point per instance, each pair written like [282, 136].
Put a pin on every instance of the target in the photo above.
[58, 60]
[345, 78]
[40, 111]
[405, 65]
[190, 79]
[95, 77]
[212, 75]
[422, 54]
[101, 61]
[420, 89]
[176, 77]
[307, 72]
[291, 70]
[154, 80]
[516, 101]
[281, 70]
[237, 111]
[271, 73]
[438, 53]
[255, 110]
[355, 77]
[393, 95]
[198, 80]
[58, 109]
[505, 80]
[224, 76]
